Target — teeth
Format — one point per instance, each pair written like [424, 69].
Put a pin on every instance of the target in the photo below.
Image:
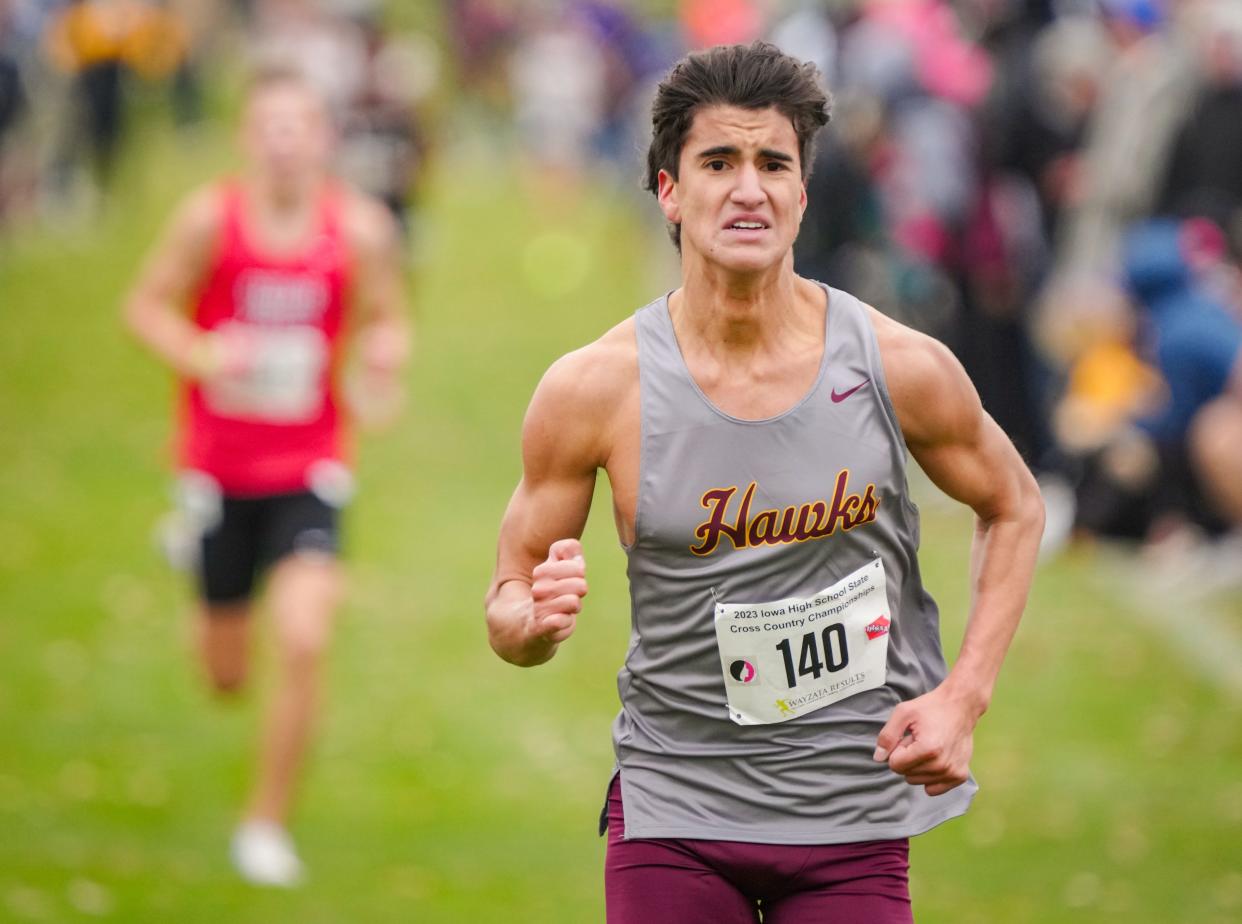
[748, 225]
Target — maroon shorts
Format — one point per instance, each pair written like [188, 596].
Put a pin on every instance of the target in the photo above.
[681, 881]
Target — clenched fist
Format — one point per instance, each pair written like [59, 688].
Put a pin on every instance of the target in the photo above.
[556, 592]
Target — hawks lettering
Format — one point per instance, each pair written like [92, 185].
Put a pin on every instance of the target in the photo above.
[778, 526]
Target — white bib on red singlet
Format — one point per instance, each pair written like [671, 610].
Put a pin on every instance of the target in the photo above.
[282, 383]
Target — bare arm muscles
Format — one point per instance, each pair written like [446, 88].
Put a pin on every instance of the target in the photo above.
[540, 576]
[155, 307]
[967, 456]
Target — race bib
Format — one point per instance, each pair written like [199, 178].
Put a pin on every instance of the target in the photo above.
[282, 382]
[790, 657]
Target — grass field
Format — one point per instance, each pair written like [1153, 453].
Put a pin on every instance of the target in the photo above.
[446, 785]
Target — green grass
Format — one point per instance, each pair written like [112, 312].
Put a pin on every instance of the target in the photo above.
[447, 786]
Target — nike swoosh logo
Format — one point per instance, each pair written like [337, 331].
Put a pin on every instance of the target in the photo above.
[839, 396]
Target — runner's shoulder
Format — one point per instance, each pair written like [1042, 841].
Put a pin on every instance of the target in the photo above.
[200, 215]
[368, 225]
[930, 391]
[593, 380]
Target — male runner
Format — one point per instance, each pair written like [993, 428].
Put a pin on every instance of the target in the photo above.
[276, 268]
[787, 720]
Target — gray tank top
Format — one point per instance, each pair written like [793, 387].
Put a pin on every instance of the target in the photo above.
[686, 769]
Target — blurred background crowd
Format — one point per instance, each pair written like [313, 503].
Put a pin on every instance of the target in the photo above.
[1052, 187]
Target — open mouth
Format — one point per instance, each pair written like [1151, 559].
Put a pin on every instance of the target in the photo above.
[747, 226]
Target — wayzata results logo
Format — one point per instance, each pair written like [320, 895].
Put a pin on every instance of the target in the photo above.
[814, 520]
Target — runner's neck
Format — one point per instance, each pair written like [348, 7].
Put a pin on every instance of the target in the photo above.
[738, 323]
[282, 217]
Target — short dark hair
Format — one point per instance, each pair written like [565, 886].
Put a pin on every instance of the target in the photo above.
[754, 76]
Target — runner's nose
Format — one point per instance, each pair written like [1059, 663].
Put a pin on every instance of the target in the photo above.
[747, 191]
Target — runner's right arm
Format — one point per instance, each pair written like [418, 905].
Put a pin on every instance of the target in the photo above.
[540, 579]
[155, 307]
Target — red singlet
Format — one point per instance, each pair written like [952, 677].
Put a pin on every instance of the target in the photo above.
[259, 432]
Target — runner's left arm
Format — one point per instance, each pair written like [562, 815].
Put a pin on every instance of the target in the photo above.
[929, 740]
[382, 329]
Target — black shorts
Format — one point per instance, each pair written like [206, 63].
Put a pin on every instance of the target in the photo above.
[254, 533]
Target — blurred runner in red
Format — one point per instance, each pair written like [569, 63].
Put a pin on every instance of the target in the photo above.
[276, 267]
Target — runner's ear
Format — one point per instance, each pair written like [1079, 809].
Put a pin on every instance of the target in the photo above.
[666, 194]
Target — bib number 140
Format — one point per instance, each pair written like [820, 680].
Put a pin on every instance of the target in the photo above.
[810, 663]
